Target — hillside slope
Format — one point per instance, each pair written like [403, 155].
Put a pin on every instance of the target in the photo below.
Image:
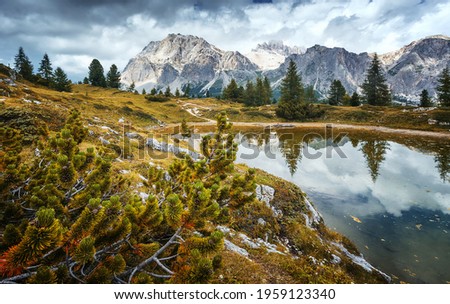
[267, 232]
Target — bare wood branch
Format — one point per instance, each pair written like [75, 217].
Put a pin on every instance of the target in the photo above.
[162, 276]
[17, 278]
[155, 255]
[120, 281]
[73, 275]
[164, 267]
[169, 257]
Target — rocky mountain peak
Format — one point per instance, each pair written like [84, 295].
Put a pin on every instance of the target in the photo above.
[179, 59]
[269, 55]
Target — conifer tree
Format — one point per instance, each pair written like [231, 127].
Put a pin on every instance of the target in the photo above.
[291, 104]
[259, 92]
[45, 70]
[113, 77]
[80, 225]
[23, 65]
[96, 74]
[443, 88]
[153, 91]
[249, 94]
[337, 93]
[375, 89]
[310, 95]
[167, 92]
[177, 93]
[61, 82]
[85, 80]
[187, 90]
[425, 100]
[143, 92]
[355, 101]
[185, 131]
[267, 93]
[233, 92]
[132, 87]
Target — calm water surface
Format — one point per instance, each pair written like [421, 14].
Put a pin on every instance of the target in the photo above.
[390, 196]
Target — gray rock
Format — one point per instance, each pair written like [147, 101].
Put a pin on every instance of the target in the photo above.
[232, 247]
[104, 141]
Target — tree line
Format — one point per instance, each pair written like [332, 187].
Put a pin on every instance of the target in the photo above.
[256, 93]
[56, 79]
[96, 76]
[375, 90]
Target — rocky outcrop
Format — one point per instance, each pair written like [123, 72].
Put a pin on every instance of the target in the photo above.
[179, 60]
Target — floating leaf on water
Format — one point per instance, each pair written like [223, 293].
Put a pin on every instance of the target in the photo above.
[367, 247]
[419, 226]
[383, 240]
[356, 219]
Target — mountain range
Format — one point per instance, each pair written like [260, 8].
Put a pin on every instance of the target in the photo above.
[179, 60]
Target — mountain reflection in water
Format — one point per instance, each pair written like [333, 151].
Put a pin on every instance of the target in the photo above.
[390, 195]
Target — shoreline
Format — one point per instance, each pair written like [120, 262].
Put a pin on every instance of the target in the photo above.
[281, 125]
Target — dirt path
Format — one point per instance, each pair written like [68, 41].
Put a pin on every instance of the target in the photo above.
[193, 110]
[319, 125]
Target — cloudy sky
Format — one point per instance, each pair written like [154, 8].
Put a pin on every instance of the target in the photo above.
[73, 32]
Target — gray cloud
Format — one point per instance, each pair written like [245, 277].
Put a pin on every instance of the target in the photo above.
[74, 32]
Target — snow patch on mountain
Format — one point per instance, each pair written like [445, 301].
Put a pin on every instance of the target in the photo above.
[270, 55]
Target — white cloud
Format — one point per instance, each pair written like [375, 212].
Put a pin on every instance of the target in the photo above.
[406, 180]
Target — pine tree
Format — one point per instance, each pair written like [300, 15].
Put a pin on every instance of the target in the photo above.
[291, 102]
[177, 93]
[96, 74]
[185, 131]
[310, 96]
[23, 65]
[187, 90]
[132, 87]
[354, 101]
[443, 88]
[85, 80]
[259, 92]
[249, 94]
[375, 89]
[80, 224]
[337, 93]
[425, 100]
[61, 82]
[153, 91]
[144, 92]
[167, 92]
[113, 77]
[267, 93]
[232, 92]
[45, 70]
